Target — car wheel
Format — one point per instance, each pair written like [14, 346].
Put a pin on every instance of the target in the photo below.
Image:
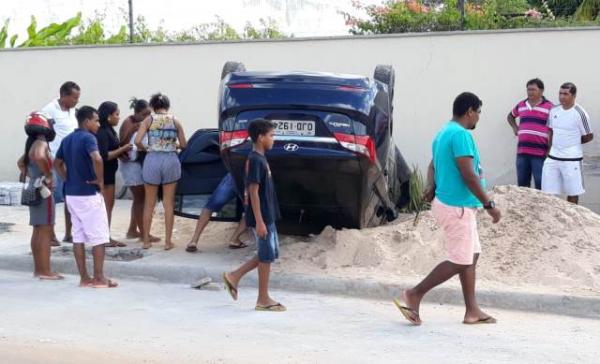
[404, 198]
[386, 74]
[391, 215]
[232, 66]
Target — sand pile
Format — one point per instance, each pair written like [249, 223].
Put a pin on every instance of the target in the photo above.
[541, 240]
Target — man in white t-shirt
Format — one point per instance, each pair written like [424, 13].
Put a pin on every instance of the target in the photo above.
[570, 128]
[62, 110]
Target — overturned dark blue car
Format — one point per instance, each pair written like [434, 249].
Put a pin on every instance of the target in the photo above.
[334, 161]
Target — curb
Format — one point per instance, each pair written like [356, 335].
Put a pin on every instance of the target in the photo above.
[559, 304]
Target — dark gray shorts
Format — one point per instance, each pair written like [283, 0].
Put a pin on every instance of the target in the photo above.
[161, 168]
[42, 214]
[131, 172]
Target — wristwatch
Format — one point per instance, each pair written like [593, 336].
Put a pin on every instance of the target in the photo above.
[489, 205]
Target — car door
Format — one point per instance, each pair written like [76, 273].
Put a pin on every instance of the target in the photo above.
[201, 172]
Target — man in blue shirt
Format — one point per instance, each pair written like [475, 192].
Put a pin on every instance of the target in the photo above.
[80, 165]
[456, 188]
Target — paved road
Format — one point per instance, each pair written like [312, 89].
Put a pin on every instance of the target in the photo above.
[145, 322]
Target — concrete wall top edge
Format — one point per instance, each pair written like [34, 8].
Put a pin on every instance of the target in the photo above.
[314, 39]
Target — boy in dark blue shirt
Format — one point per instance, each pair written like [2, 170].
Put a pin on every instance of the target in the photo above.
[262, 210]
[80, 165]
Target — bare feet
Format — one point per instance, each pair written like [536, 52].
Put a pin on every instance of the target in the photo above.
[169, 246]
[68, 239]
[146, 245]
[154, 239]
[54, 242]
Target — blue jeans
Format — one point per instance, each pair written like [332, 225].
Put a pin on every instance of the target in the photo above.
[268, 248]
[527, 166]
[225, 192]
[59, 185]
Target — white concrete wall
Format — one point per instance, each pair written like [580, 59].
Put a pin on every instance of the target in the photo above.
[431, 69]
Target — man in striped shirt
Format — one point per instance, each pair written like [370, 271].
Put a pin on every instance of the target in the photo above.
[532, 133]
[570, 128]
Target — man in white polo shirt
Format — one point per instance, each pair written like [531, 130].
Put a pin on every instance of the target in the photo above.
[62, 110]
[570, 128]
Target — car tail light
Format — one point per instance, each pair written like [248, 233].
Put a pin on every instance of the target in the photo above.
[362, 144]
[230, 139]
[241, 85]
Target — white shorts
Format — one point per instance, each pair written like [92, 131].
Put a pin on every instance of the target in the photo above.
[89, 218]
[562, 177]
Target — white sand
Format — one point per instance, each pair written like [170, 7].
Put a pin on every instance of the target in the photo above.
[541, 240]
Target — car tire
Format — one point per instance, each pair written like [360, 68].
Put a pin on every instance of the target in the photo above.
[385, 73]
[232, 66]
[391, 215]
[404, 198]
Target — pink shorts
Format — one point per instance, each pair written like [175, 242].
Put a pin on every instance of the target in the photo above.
[89, 218]
[461, 239]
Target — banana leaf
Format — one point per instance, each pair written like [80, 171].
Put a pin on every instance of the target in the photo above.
[53, 34]
[31, 29]
[4, 34]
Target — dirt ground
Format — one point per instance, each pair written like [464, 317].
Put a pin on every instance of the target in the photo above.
[149, 322]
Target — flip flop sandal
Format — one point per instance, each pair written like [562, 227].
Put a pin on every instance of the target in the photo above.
[116, 244]
[487, 320]
[57, 277]
[229, 287]
[68, 239]
[201, 282]
[54, 242]
[278, 307]
[154, 239]
[411, 315]
[192, 248]
[109, 284]
[241, 245]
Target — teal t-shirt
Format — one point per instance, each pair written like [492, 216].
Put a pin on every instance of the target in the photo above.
[452, 142]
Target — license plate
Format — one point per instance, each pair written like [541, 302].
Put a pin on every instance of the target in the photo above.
[294, 127]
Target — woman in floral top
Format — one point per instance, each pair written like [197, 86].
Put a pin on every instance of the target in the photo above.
[165, 137]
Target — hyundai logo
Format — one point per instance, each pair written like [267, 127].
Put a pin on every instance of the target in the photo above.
[291, 147]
